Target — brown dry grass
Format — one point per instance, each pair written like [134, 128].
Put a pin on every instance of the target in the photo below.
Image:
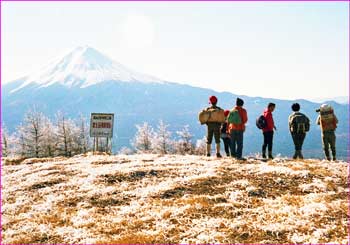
[174, 199]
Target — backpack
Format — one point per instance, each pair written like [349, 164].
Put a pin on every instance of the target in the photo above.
[300, 123]
[211, 115]
[328, 121]
[223, 128]
[234, 117]
[261, 122]
[223, 131]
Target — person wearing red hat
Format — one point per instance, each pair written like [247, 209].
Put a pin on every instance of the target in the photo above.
[213, 100]
[225, 136]
[213, 128]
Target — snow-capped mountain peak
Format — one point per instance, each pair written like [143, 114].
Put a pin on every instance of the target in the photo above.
[82, 67]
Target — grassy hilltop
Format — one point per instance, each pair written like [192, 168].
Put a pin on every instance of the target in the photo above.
[173, 199]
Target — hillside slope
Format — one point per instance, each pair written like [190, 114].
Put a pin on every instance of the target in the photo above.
[173, 199]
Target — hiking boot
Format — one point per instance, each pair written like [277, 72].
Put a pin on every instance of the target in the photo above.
[228, 154]
[300, 155]
[334, 154]
[295, 156]
[270, 155]
[241, 158]
[208, 150]
[218, 151]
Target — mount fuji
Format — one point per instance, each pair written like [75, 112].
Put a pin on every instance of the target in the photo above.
[83, 67]
[86, 81]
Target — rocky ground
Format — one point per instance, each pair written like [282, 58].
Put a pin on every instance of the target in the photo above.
[173, 199]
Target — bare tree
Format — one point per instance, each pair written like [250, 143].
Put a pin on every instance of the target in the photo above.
[31, 134]
[184, 145]
[11, 145]
[66, 133]
[19, 147]
[83, 138]
[201, 146]
[49, 139]
[143, 138]
[37, 136]
[162, 142]
[4, 142]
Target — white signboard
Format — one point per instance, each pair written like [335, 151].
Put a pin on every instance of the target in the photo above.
[101, 125]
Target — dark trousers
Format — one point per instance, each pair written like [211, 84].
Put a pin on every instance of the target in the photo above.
[227, 144]
[298, 140]
[328, 140]
[268, 138]
[213, 130]
[236, 143]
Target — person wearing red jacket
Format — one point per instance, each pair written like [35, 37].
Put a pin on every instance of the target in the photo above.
[237, 129]
[268, 130]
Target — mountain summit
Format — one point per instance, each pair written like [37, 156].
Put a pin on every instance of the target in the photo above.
[82, 67]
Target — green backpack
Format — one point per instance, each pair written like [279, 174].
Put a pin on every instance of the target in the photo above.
[234, 117]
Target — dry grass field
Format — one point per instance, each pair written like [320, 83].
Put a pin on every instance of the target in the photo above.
[173, 199]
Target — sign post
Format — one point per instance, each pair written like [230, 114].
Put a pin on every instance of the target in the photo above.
[101, 126]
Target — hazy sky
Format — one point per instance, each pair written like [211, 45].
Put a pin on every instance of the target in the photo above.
[280, 50]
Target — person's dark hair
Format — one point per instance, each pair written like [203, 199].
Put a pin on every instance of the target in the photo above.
[295, 107]
[271, 105]
[239, 102]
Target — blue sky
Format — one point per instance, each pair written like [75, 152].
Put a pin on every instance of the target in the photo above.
[282, 50]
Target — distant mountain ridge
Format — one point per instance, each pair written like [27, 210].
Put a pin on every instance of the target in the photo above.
[85, 81]
[340, 99]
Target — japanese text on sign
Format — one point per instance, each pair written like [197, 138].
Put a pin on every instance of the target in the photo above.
[101, 125]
